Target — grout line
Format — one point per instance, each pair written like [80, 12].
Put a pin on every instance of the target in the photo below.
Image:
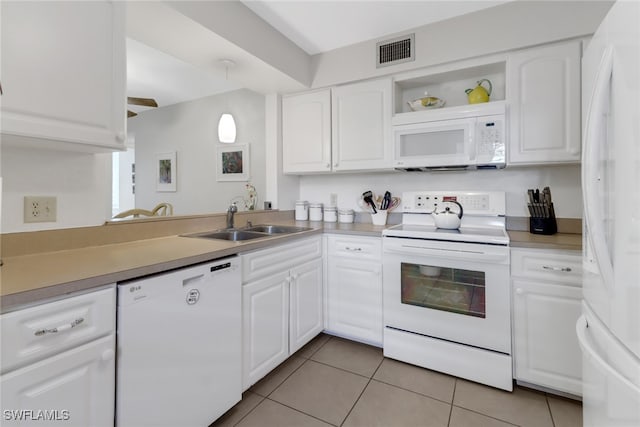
[362, 392]
[262, 398]
[298, 410]
[342, 369]
[412, 391]
[316, 350]
[546, 399]
[286, 378]
[488, 416]
[453, 396]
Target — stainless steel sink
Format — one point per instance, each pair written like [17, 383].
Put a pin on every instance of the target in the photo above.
[232, 235]
[254, 232]
[277, 229]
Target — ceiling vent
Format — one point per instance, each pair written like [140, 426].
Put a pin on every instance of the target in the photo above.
[395, 51]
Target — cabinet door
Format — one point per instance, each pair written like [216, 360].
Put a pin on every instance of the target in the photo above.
[64, 74]
[543, 89]
[546, 349]
[306, 132]
[306, 315]
[354, 299]
[361, 119]
[265, 326]
[74, 388]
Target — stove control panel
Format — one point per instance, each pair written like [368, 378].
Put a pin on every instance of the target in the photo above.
[474, 203]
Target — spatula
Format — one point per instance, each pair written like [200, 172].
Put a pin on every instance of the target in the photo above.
[367, 197]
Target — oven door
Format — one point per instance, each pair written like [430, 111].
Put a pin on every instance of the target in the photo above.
[453, 291]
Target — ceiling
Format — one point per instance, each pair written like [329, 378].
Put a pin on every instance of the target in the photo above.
[314, 26]
[321, 26]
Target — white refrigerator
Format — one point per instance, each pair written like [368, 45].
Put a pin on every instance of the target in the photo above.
[609, 328]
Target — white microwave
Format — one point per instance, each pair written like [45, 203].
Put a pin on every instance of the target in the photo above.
[466, 137]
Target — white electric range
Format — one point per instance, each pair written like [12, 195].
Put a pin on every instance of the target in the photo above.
[446, 292]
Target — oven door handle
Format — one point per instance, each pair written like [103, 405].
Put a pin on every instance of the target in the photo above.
[501, 257]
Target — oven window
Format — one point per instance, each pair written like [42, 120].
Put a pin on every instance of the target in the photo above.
[442, 288]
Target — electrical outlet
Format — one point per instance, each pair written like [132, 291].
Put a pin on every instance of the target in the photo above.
[40, 209]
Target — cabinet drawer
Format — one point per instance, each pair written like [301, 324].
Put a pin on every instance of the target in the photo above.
[260, 263]
[555, 265]
[369, 248]
[37, 332]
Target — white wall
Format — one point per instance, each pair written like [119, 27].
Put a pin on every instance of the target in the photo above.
[80, 182]
[513, 25]
[282, 190]
[564, 182]
[190, 129]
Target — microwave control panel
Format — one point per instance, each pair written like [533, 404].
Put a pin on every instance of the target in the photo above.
[491, 145]
[474, 202]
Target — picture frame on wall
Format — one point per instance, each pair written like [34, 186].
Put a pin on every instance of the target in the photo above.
[233, 163]
[166, 166]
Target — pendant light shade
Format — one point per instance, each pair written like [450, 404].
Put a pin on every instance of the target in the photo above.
[227, 129]
[226, 124]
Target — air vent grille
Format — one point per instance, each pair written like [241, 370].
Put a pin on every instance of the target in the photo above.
[395, 51]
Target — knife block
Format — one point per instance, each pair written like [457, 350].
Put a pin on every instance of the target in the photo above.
[541, 225]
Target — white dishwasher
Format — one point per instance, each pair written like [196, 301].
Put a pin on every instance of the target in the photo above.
[179, 346]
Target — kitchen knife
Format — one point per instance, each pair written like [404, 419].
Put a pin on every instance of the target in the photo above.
[530, 194]
[546, 194]
[531, 212]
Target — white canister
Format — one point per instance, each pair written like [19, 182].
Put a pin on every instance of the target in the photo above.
[346, 216]
[330, 214]
[302, 210]
[315, 211]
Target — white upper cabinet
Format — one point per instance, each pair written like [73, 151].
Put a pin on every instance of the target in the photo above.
[543, 89]
[345, 128]
[306, 132]
[361, 131]
[63, 74]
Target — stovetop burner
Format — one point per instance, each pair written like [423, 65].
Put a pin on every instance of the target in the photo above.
[463, 234]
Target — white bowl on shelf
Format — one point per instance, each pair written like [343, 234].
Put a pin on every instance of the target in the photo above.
[426, 103]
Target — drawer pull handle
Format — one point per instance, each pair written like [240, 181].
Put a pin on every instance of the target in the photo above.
[552, 268]
[60, 328]
[353, 249]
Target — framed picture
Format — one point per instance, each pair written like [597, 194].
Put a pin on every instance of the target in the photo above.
[233, 163]
[166, 171]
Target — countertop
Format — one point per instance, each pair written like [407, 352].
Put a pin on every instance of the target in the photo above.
[524, 239]
[47, 275]
[28, 278]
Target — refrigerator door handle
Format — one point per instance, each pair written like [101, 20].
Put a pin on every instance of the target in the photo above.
[594, 124]
[589, 351]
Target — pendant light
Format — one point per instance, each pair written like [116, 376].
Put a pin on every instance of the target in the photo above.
[226, 124]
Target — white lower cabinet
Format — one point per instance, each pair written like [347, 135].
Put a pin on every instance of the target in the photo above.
[281, 310]
[354, 288]
[58, 362]
[546, 305]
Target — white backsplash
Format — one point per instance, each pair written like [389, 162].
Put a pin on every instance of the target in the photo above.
[564, 182]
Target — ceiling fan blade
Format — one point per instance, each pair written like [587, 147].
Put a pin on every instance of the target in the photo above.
[145, 102]
[131, 114]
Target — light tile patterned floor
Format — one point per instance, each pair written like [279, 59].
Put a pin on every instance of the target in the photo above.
[336, 382]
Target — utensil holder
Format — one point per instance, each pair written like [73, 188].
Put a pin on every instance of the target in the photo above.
[379, 218]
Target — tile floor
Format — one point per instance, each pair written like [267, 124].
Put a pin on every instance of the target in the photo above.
[335, 382]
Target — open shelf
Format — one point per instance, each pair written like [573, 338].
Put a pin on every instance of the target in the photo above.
[449, 86]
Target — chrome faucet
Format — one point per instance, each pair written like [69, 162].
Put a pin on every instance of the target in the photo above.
[230, 212]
